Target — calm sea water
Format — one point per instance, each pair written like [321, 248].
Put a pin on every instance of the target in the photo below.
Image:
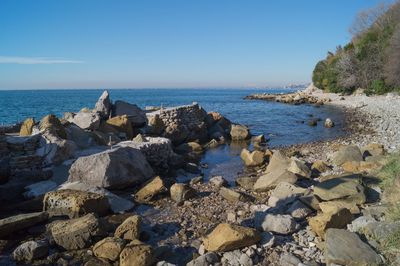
[280, 122]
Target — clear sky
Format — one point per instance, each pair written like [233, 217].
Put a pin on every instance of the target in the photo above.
[168, 43]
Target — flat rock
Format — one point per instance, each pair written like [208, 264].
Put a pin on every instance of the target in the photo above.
[339, 188]
[74, 203]
[272, 179]
[346, 154]
[226, 237]
[136, 115]
[116, 168]
[86, 120]
[285, 193]
[232, 195]
[21, 221]
[346, 248]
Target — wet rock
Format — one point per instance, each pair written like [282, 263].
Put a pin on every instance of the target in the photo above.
[231, 195]
[348, 187]
[121, 124]
[103, 105]
[135, 115]
[272, 179]
[204, 260]
[87, 120]
[74, 203]
[130, 228]
[346, 154]
[109, 248]
[116, 168]
[137, 253]
[154, 187]
[312, 122]
[31, 250]
[76, 233]
[281, 224]
[255, 158]
[181, 192]
[226, 237]
[329, 123]
[218, 181]
[346, 248]
[52, 125]
[323, 221]
[19, 222]
[27, 127]
[239, 132]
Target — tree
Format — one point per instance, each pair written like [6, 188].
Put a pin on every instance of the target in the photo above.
[392, 67]
[348, 71]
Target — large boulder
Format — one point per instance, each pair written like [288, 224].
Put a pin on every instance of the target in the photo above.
[82, 138]
[87, 120]
[76, 233]
[130, 228]
[109, 248]
[226, 237]
[239, 132]
[285, 193]
[27, 127]
[51, 124]
[116, 168]
[336, 219]
[299, 168]
[19, 222]
[281, 224]
[137, 253]
[54, 149]
[103, 105]
[135, 115]
[74, 203]
[347, 154]
[346, 248]
[272, 179]
[120, 124]
[255, 158]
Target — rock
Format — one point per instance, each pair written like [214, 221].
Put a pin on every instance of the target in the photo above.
[260, 139]
[192, 168]
[31, 250]
[97, 262]
[246, 182]
[373, 149]
[285, 193]
[358, 224]
[136, 115]
[76, 233]
[226, 237]
[5, 171]
[207, 259]
[181, 192]
[121, 124]
[74, 203]
[155, 125]
[137, 253]
[54, 149]
[196, 180]
[231, 195]
[103, 105]
[383, 232]
[40, 188]
[189, 147]
[299, 210]
[109, 248]
[218, 181]
[361, 167]
[329, 123]
[339, 188]
[313, 122]
[27, 127]
[255, 158]
[177, 133]
[346, 248]
[300, 168]
[272, 179]
[320, 166]
[239, 132]
[116, 168]
[281, 224]
[130, 228]
[323, 221]
[278, 163]
[19, 222]
[117, 204]
[335, 205]
[288, 259]
[87, 120]
[154, 187]
[52, 124]
[267, 240]
[346, 154]
[82, 138]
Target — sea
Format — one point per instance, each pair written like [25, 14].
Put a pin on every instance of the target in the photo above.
[282, 124]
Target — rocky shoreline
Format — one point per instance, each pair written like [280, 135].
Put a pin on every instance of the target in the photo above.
[77, 202]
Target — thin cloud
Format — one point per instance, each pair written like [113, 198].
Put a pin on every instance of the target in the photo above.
[36, 60]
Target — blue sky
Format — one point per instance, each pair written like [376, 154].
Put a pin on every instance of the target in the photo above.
[168, 43]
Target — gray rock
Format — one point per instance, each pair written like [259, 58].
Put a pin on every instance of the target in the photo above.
[81, 138]
[116, 168]
[31, 250]
[54, 149]
[87, 120]
[288, 259]
[232, 195]
[272, 179]
[136, 115]
[40, 188]
[348, 187]
[360, 223]
[218, 181]
[346, 248]
[299, 210]
[281, 224]
[347, 154]
[103, 105]
[285, 193]
[20, 222]
[204, 260]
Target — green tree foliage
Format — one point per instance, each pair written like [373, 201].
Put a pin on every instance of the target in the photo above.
[371, 60]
